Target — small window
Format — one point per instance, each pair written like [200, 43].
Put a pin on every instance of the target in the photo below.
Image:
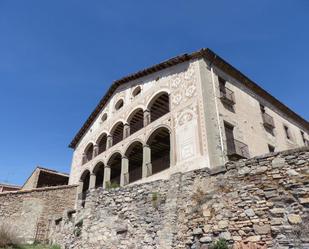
[271, 148]
[104, 117]
[136, 91]
[119, 104]
[287, 132]
[222, 83]
[262, 108]
[303, 138]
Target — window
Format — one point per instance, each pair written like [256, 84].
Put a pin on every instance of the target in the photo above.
[303, 138]
[136, 91]
[271, 148]
[119, 104]
[262, 108]
[104, 117]
[222, 83]
[287, 132]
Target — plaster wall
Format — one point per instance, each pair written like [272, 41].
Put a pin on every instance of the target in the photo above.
[184, 121]
[246, 118]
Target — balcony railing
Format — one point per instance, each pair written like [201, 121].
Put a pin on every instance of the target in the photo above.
[237, 149]
[227, 96]
[268, 121]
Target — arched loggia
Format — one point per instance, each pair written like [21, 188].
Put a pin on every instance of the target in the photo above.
[159, 106]
[134, 154]
[159, 143]
[84, 181]
[136, 120]
[115, 167]
[98, 171]
[102, 143]
[117, 133]
[88, 154]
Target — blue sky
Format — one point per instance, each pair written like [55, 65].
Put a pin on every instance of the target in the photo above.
[57, 58]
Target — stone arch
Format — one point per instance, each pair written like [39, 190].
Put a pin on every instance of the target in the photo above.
[88, 153]
[134, 154]
[98, 171]
[159, 105]
[159, 143]
[102, 142]
[114, 163]
[84, 185]
[117, 132]
[136, 120]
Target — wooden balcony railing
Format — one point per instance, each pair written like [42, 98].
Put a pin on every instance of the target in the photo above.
[268, 121]
[227, 96]
[237, 149]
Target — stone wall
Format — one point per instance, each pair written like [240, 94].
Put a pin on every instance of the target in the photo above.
[29, 213]
[263, 200]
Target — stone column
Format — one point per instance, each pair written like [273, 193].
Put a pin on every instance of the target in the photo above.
[92, 181]
[146, 117]
[147, 167]
[124, 176]
[95, 151]
[107, 175]
[126, 130]
[109, 141]
[172, 150]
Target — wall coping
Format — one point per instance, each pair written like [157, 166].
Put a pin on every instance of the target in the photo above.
[38, 190]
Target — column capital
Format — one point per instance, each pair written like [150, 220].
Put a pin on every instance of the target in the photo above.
[146, 110]
[107, 166]
[124, 157]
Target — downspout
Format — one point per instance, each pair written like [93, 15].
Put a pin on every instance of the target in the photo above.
[216, 105]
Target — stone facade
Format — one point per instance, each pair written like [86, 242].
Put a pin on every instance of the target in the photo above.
[29, 213]
[263, 200]
[202, 96]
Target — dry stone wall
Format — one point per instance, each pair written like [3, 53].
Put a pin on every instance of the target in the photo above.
[263, 200]
[29, 213]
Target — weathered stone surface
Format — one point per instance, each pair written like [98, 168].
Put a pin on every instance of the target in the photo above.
[294, 218]
[249, 212]
[196, 208]
[261, 229]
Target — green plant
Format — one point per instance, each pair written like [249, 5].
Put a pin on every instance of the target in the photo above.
[78, 228]
[55, 247]
[219, 244]
[155, 199]
[111, 185]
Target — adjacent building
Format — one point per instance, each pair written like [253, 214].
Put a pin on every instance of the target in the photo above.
[189, 112]
[4, 187]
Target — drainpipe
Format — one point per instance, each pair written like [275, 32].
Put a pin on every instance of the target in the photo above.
[216, 104]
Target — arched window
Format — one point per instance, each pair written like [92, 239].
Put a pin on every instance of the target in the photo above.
[136, 121]
[99, 174]
[104, 117]
[84, 180]
[115, 165]
[119, 104]
[159, 143]
[137, 90]
[102, 143]
[135, 156]
[88, 153]
[159, 106]
[117, 133]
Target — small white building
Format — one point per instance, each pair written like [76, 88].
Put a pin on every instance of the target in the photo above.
[189, 112]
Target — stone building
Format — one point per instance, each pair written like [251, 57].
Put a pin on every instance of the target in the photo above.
[43, 177]
[4, 187]
[189, 112]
